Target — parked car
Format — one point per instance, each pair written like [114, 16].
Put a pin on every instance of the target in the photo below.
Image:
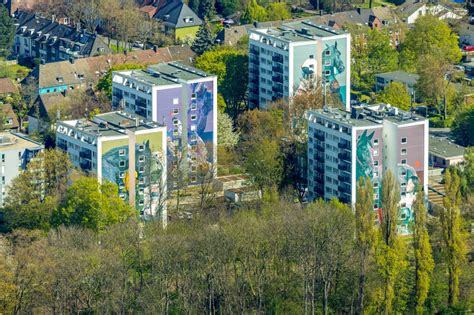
[468, 48]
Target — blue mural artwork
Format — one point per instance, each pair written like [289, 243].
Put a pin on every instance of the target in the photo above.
[333, 65]
[409, 186]
[365, 161]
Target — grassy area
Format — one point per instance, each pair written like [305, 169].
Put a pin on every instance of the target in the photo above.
[14, 71]
[117, 49]
[375, 3]
[298, 15]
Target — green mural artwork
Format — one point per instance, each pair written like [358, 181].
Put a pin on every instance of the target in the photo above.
[409, 182]
[365, 162]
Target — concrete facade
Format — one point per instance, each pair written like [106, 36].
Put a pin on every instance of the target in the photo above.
[16, 150]
[184, 100]
[343, 146]
[282, 58]
[124, 149]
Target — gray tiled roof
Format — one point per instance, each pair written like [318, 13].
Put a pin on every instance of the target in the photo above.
[175, 12]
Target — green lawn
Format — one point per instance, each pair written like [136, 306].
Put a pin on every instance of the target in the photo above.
[13, 71]
[375, 3]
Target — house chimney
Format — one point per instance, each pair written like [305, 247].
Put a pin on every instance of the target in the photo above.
[359, 10]
[53, 18]
[78, 27]
[155, 48]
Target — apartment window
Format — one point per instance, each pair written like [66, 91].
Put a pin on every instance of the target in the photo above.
[193, 117]
[3, 158]
[175, 132]
[141, 169]
[403, 216]
[122, 174]
[376, 207]
[404, 172]
[140, 202]
[376, 196]
[376, 163]
[328, 52]
[141, 180]
[193, 106]
[193, 179]
[404, 161]
[193, 96]
[141, 158]
[175, 111]
[141, 191]
[376, 185]
[376, 141]
[122, 152]
[141, 147]
[404, 140]
[404, 151]
[193, 127]
[175, 121]
[327, 63]
[122, 163]
[175, 101]
[376, 174]
[327, 72]
[3, 180]
[122, 196]
[376, 152]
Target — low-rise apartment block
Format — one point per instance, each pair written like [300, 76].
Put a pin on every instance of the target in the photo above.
[124, 149]
[183, 99]
[282, 58]
[367, 142]
[16, 150]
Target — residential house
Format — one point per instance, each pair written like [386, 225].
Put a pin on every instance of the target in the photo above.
[14, 5]
[466, 34]
[175, 16]
[123, 149]
[444, 153]
[16, 150]
[367, 142]
[56, 81]
[411, 10]
[49, 41]
[9, 118]
[384, 79]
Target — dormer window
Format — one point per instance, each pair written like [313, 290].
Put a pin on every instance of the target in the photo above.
[188, 19]
[60, 79]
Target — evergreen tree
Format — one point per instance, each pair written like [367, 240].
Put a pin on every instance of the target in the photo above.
[204, 39]
[365, 233]
[254, 12]
[424, 263]
[205, 9]
[7, 29]
[450, 219]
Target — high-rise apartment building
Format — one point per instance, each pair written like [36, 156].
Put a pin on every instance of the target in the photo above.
[16, 150]
[367, 142]
[124, 149]
[182, 98]
[282, 58]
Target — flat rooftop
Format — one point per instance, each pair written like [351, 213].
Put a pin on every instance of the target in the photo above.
[166, 74]
[399, 76]
[370, 115]
[300, 31]
[15, 141]
[112, 124]
[445, 148]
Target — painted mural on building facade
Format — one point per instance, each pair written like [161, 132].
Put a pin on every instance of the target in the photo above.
[148, 170]
[193, 129]
[365, 162]
[334, 70]
[409, 182]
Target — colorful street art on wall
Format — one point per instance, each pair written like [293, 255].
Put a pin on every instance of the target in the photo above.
[148, 170]
[334, 73]
[409, 185]
[365, 160]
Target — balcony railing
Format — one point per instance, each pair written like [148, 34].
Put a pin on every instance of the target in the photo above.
[277, 78]
[277, 58]
[277, 69]
[344, 157]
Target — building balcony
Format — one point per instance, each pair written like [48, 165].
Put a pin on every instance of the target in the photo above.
[319, 136]
[277, 69]
[254, 51]
[346, 145]
[253, 91]
[320, 147]
[319, 158]
[62, 146]
[277, 88]
[86, 165]
[255, 80]
[345, 167]
[345, 198]
[278, 79]
[85, 155]
[344, 178]
[277, 58]
[255, 71]
[344, 189]
[344, 157]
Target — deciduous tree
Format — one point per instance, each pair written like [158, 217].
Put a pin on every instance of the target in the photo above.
[450, 219]
[395, 94]
[424, 263]
[7, 29]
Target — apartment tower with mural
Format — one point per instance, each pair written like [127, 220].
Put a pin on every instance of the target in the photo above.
[183, 99]
[124, 149]
[283, 59]
[367, 142]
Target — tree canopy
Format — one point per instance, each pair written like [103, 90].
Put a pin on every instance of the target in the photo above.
[7, 29]
[395, 94]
